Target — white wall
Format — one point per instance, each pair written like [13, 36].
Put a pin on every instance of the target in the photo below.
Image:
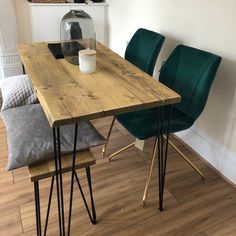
[9, 59]
[23, 20]
[205, 24]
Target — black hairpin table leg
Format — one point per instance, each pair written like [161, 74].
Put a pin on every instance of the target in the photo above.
[57, 181]
[162, 150]
[72, 178]
[74, 175]
[61, 183]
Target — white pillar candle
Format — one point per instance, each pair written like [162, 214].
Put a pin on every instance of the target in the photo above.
[87, 61]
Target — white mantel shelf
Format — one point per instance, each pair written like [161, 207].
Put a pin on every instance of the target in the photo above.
[89, 3]
[46, 19]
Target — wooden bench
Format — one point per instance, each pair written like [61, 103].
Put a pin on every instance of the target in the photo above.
[46, 169]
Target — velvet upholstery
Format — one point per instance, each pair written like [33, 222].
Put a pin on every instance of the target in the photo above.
[189, 72]
[143, 124]
[143, 49]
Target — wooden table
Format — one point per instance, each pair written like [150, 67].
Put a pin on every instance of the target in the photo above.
[68, 96]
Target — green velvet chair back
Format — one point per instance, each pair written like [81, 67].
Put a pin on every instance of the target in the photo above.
[190, 72]
[143, 49]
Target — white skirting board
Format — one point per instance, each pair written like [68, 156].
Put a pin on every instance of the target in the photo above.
[214, 153]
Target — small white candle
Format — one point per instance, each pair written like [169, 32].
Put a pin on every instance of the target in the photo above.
[87, 61]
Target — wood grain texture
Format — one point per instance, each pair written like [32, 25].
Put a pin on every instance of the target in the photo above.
[191, 207]
[46, 169]
[67, 95]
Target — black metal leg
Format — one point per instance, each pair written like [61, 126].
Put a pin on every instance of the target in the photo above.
[93, 216]
[167, 143]
[23, 69]
[161, 158]
[72, 178]
[159, 176]
[162, 152]
[37, 208]
[61, 183]
[159, 153]
[91, 194]
[57, 181]
[49, 206]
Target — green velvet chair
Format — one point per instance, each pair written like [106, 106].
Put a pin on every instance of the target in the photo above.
[142, 51]
[190, 73]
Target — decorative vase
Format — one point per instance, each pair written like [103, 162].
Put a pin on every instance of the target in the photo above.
[77, 33]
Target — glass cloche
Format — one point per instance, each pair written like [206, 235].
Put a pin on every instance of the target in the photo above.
[77, 33]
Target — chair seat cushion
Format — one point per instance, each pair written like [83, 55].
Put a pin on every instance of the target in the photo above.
[143, 124]
[30, 138]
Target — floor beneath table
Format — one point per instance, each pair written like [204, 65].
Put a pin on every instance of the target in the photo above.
[191, 206]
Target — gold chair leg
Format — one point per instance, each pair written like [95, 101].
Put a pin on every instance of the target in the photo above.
[187, 160]
[150, 172]
[152, 164]
[121, 150]
[108, 136]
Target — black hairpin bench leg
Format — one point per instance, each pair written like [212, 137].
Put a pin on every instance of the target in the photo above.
[49, 206]
[59, 189]
[37, 208]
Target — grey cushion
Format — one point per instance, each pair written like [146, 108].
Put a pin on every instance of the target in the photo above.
[17, 91]
[30, 138]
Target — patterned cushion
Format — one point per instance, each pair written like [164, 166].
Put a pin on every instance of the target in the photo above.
[17, 91]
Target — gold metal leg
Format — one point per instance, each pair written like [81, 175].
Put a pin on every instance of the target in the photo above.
[121, 150]
[187, 160]
[152, 164]
[150, 172]
[107, 139]
[108, 136]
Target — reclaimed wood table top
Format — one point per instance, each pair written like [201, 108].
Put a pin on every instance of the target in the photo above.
[68, 96]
